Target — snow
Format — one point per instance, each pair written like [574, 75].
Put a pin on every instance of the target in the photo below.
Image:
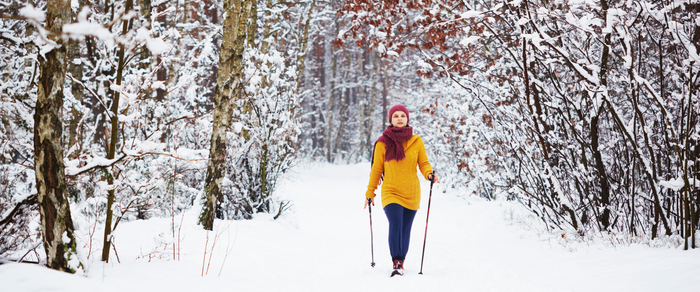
[474, 13]
[155, 45]
[381, 48]
[32, 13]
[237, 127]
[469, 40]
[74, 5]
[322, 243]
[674, 184]
[678, 183]
[73, 169]
[84, 28]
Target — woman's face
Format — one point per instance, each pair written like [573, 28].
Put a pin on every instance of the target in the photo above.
[399, 119]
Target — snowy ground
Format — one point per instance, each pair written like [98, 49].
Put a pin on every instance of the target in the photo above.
[323, 244]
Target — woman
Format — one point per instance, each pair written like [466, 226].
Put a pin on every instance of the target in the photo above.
[394, 159]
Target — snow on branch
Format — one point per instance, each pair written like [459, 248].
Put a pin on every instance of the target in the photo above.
[84, 28]
[32, 14]
[141, 150]
[72, 168]
[678, 183]
[37, 17]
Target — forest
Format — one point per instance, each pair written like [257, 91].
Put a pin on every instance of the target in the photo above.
[584, 112]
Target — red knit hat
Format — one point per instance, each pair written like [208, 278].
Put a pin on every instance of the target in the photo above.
[399, 108]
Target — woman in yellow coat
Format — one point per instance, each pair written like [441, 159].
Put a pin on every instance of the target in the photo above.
[394, 159]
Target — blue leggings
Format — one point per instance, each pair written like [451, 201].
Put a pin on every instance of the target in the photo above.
[400, 222]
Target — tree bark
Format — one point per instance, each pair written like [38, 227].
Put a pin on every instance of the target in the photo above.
[604, 199]
[76, 70]
[146, 14]
[54, 207]
[331, 102]
[229, 88]
[372, 104]
[161, 73]
[114, 137]
[301, 55]
[687, 216]
[385, 96]
[75, 67]
[342, 114]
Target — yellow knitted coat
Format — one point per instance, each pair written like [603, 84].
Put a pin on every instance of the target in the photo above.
[400, 183]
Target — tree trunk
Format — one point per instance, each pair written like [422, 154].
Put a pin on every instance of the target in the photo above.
[161, 73]
[331, 102]
[76, 70]
[265, 46]
[385, 94]
[77, 90]
[694, 154]
[604, 199]
[364, 104]
[301, 55]
[145, 53]
[56, 223]
[687, 216]
[114, 137]
[229, 88]
[342, 114]
[372, 103]
[211, 11]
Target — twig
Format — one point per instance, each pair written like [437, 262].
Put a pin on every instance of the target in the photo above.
[32, 249]
[178, 235]
[228, 250]
[211, 252]
[98, 166]
[91, 234]
[169, 155]
[29, 201]
[94, 94]
[180, 118]
[123, 212]
[204, 259]
[115, 249]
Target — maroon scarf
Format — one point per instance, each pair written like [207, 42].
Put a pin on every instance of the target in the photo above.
[392, 138]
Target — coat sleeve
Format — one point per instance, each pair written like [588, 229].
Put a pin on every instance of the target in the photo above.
[377, 170]
[423, 162]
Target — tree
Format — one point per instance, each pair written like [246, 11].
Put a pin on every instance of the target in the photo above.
[113, 139]
[582, 112]
[229, 88]
[56, 223]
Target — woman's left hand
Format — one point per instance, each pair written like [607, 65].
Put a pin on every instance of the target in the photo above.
[437, 180]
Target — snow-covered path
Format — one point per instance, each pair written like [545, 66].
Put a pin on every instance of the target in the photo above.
[323, 244]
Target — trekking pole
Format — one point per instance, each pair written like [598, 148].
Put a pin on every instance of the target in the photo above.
[369, 203]
[432, 180]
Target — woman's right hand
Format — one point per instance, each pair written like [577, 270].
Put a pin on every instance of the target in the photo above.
[431, 176]
[368, 200]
